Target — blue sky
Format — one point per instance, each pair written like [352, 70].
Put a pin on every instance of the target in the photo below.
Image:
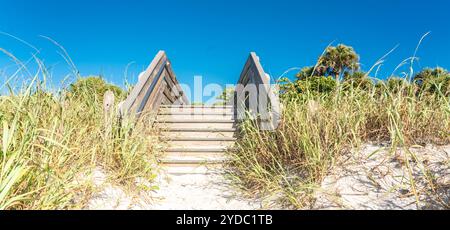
[213, 38]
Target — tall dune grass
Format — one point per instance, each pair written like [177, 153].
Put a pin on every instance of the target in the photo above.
[317, 128]
[53, 141]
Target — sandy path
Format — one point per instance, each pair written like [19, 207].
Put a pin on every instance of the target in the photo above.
[200, 192]
[209, 191]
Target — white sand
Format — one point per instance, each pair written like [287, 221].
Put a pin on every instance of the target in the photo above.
[358, 181]
[382, 181]
[178, 192]
[200, 192]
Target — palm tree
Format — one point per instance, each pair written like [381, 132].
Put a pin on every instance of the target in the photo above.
[338, 60]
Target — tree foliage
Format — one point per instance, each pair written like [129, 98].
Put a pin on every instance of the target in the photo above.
[94, 86]
[433, 81]
[357, 80]
[337, 61]
[342, 63]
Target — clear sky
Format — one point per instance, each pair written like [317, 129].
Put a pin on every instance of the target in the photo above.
[213, 38]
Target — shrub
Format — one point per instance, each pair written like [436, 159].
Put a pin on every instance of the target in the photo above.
[357, 80]
[94, 86]
[318, 85]
[433, 81]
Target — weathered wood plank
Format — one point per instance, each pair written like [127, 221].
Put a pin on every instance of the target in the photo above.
[148, 93]
[179, 90]
[253, 78]
[140, 85]
[147, 96]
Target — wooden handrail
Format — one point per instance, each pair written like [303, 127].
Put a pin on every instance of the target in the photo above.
[265, 106]
[156, 86]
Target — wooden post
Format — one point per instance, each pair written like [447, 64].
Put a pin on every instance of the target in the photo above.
[108, 105]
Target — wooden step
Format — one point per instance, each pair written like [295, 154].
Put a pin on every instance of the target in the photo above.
[205, 139]
[201, 143]
[200, 130]
[196, 149]
[195, 121]
[194, 154]
[172, 160]
[214, 134]
[196, 125]
[196, 106]
[195, 117]
[180, 169]
[194, 110]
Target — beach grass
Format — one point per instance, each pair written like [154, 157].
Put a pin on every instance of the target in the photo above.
[317, 128]
[53, 142]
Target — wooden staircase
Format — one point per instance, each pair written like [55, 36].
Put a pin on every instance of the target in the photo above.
[197, 137]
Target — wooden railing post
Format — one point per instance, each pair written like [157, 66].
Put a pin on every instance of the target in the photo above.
[255, 95]
[108, 106]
